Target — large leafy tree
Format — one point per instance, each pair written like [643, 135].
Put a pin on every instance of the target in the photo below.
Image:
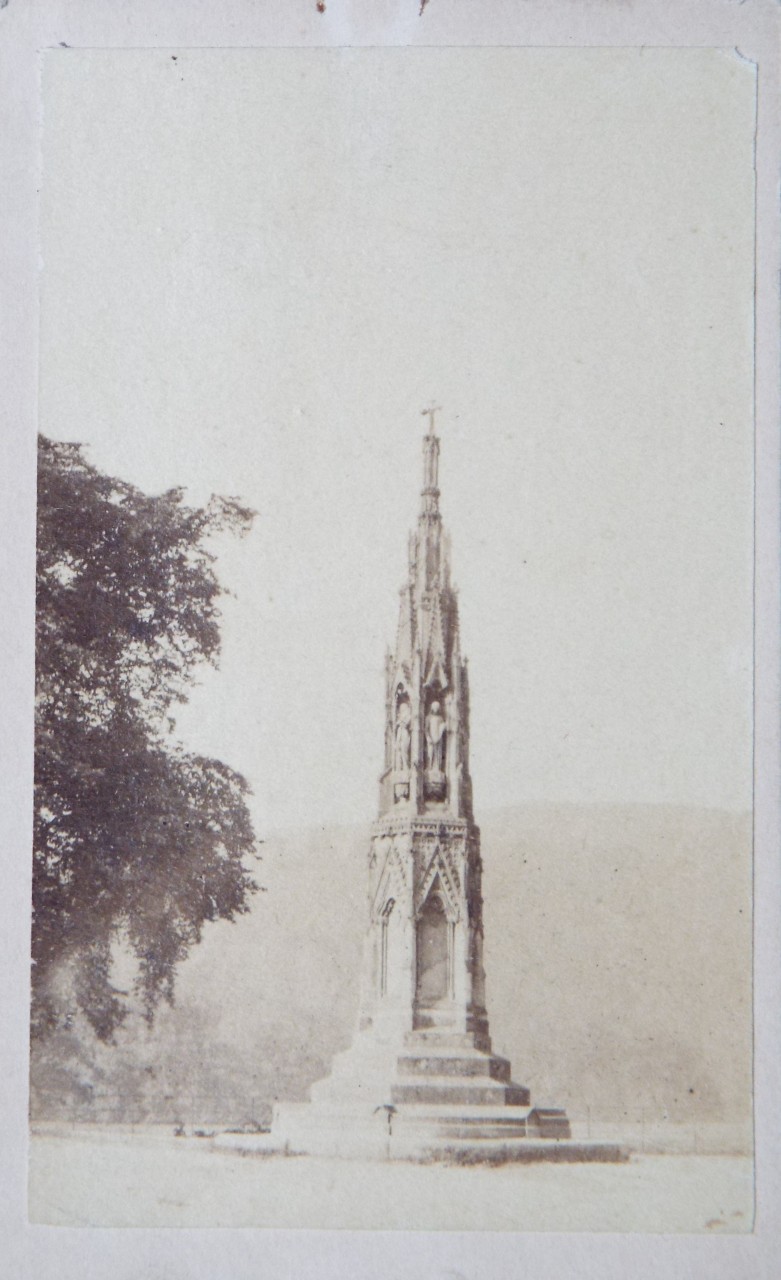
[134, 838]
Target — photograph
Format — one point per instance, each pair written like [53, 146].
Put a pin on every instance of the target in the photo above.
[393, 833]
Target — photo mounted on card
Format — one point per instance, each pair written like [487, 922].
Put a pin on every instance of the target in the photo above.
[393, 811]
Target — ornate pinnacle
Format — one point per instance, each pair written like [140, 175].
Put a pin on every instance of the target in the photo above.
[430, 492]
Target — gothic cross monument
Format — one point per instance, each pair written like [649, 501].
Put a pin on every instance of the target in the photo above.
[422, 1058]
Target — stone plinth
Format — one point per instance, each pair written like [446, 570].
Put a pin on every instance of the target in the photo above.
[433, 1097]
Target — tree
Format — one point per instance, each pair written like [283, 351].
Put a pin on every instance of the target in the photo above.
[133, 836]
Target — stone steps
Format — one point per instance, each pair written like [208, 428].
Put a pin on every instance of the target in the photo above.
[478, 1113]
[427, 1069]
[440, 1040]
[453, 1128]
[426, 1092]
[465, 1091]
[458, 1123]
[455, 1063]
[552, 1122]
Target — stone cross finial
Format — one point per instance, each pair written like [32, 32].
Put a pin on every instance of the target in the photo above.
[432, 409]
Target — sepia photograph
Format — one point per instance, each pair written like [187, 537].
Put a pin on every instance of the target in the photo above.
[393, 817]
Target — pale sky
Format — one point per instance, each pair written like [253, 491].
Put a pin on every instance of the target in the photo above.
[259, 266]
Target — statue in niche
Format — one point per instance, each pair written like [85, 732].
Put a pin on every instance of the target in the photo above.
[435, 739]
[402, 739]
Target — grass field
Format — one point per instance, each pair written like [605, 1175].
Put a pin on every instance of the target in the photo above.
[99, 1176]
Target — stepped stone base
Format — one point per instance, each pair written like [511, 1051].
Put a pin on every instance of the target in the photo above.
[439, 1097]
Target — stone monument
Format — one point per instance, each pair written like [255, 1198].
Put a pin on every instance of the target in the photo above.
[420, 1077]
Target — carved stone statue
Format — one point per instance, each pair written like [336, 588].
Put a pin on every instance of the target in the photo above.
[401, 744]
[435, 739]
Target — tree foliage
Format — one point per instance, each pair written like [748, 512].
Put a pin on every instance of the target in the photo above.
[133, 836]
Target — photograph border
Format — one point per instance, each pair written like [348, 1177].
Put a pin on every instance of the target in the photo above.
[751, 29]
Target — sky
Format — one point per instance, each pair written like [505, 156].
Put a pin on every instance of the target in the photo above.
[259, 266]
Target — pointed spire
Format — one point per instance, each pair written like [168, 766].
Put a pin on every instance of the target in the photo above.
[427, 664]
[435, 671]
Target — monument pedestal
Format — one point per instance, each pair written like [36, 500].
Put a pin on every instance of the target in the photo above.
[437, 1096]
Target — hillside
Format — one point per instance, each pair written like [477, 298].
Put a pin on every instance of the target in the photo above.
[618, 958]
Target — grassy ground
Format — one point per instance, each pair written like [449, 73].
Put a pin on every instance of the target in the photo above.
[109, 1177]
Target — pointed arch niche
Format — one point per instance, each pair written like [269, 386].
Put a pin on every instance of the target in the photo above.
[401, 735]
[434, 942]
[385, 917]
[436, 736]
